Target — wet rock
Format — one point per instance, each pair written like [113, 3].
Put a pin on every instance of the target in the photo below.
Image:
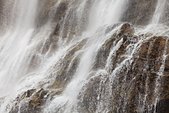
[136, 82]
[30, 101]
[126, 29]
[44, 9]
[129, 83]
[93, 94]
[163, 87]
[163, 106]
[67, 66]
[143, 52]
[103, 53]
[167, 51]
[51, 43]
[157, 48]
[166, 66]
[60, 11]
[139, 12]
[126, 33]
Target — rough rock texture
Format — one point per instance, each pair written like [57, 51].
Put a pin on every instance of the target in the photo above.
[133, 84]
[130, 72]
[33, 100]
[30, 101]
[127, 77]
[64, 20]
[67, 66]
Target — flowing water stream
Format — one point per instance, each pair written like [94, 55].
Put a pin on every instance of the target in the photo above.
[32, 59]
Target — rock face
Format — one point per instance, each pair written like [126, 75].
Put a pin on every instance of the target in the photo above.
[130, 73]
[44, 11]
[128, 79]
[140, 12]
[31, 101]
[162, 106]
[134, 82]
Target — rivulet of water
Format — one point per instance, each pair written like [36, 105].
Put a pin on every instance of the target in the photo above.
[61, 54]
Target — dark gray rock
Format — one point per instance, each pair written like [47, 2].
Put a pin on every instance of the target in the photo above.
[163, 106]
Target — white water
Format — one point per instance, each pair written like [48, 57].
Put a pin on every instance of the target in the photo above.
[102, 13]
[159, 11]
[19, 43]
[15, 45]
[106, 12]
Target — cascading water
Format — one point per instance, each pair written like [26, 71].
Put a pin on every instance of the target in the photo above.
[159, 11]
[15, 43]
[73, 88]
[78, 56]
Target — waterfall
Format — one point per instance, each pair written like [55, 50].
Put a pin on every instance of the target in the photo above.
[99, 16]
[101, 13]
[82, 56]
[15, 44]
[159, 11]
